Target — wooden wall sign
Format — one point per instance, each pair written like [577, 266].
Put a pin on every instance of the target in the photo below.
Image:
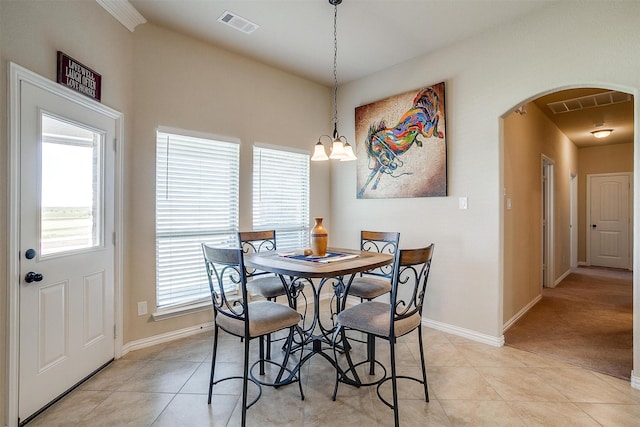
[78, 77]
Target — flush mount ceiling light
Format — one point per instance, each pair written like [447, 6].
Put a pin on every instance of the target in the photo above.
[601, 133]
[340, 147]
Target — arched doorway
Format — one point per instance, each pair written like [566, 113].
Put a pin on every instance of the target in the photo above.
[558, 126]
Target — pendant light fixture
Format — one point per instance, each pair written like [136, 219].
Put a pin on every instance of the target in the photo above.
[340, 147]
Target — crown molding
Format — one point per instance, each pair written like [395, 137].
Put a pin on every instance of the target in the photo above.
[124, 12]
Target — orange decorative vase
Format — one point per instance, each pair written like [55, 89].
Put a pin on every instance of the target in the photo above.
[319, 238]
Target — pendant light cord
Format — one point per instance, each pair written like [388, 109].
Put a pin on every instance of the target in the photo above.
[335, 70]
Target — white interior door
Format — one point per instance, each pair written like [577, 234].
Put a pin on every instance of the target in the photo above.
[609, 224]
[66, 211]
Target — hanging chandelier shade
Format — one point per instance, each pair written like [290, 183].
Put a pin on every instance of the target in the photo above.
[318, 153]
[340, 147]
[349, 154]
[337, 150]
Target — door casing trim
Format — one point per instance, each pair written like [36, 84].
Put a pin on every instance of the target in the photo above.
[18, 74]
[547, 231]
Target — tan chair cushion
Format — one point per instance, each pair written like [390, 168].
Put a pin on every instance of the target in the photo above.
[369, 287]
[266, 286]
[265, 317]
[372, 317]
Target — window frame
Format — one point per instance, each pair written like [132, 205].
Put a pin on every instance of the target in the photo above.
[169, 306]
[301, 218]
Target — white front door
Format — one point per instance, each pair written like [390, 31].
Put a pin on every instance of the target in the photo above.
[609, 223]
[66, 265]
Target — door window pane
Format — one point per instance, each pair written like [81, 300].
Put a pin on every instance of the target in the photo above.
[71, 187]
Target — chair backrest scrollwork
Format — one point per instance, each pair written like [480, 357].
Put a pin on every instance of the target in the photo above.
[223, 266]
[257, 241]
[384, 242]
[409, 283]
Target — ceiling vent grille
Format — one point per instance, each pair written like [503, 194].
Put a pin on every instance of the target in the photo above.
[238, 22]
[597, 100]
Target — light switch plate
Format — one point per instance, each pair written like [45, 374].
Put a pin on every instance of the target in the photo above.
[462, 203]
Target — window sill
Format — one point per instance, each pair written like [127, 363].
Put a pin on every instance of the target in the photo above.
[169, 313]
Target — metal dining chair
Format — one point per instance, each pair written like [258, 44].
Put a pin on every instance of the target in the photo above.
[374, 283]
[262, 283]
[389, 321]
[377, 282]
[237, 316]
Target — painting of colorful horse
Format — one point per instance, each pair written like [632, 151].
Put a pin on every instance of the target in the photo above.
[401, 145]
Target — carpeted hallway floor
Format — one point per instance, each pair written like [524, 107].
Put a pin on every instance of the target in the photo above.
[586, 320]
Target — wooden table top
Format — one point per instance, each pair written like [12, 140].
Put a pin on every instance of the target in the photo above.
[277, 263]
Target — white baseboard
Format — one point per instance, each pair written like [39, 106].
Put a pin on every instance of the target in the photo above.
[561, 278]
[193, 330]
[166, 337]
[509, 323]
[465, 333]
[635, 380]
[450, 329]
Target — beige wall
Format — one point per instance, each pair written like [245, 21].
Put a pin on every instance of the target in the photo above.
[526, 139]
[3, 220]
[486, 77]
[592, 160]
[157, 77]
[186, 84]
[31, 33]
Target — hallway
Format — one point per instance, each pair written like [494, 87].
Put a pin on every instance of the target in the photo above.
[587, 320]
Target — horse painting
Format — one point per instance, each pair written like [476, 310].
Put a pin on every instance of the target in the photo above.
[386, 146]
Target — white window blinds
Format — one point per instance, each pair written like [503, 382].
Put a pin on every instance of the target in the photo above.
[196, 202]
[281, 195]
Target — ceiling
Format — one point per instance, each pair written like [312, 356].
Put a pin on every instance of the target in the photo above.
[297, 36]
[615, 111]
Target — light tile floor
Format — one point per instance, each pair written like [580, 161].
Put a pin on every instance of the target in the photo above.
[470, 384]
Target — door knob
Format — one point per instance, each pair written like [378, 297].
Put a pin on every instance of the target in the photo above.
[32, 277]
[593, 226]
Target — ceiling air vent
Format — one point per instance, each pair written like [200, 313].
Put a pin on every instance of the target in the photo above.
[238, 22]
[597, 100]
